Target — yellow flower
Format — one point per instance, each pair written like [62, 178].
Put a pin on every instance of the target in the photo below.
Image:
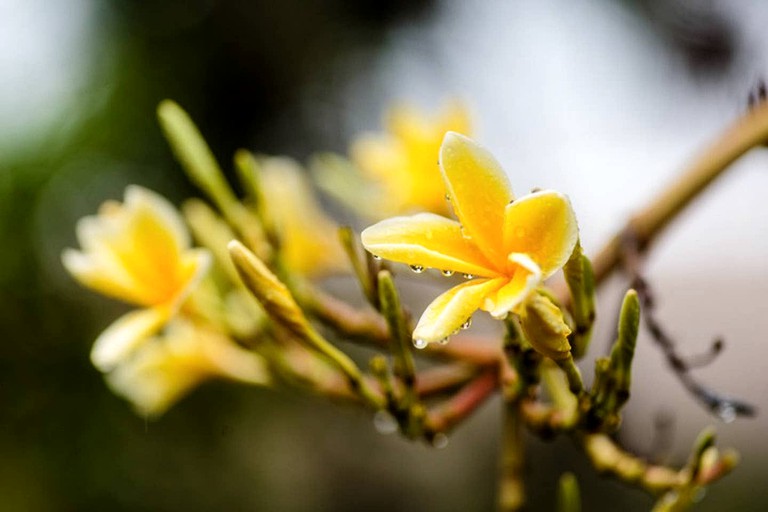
[309, 241]
[510, 245]
[139, 252]
[166, 368]
[402, 160]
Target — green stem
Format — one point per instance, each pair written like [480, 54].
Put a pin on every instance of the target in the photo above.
[511, 487]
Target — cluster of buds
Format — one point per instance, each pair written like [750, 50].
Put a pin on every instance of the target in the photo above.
[246, 305]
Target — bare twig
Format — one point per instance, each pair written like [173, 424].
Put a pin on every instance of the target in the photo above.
[463, 403]
[725, 407]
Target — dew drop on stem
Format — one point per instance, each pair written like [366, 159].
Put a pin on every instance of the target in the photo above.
[384, 422]
[726, 412]
[440, 441]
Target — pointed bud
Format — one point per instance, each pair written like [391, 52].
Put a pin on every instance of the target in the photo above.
[581, 283]
[399, 332]
[544, 327]
[193, 153]
[273, 295]
[623, 350]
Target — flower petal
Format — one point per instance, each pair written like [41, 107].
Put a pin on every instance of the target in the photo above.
[543, 226]
[102, 276]
[133, 251]
[309, 238]
[451, 309]
[526, 278]
[479, 190]
[125, 335]
[151, 244]
[427, 240]
[169, 366]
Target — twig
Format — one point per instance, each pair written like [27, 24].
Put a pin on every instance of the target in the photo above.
[725, 407]
[511, 481]
[462, 404]
[749, 131]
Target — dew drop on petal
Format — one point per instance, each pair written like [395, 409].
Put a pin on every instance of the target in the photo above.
[447, 197]
[420, 343]
[417, 269]
[726, 412]
[444, 341]
[384, 423]
[468, 276]
[447, 273]
[440, 441]
[377, 258]
[467, 323]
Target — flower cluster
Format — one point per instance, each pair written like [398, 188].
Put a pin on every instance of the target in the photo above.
[246, 303]
[140, 252]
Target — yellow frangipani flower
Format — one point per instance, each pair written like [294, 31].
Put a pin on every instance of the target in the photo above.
[510, 244]
[309, 242]
[402, 160]
[139, 252]
[166, 368]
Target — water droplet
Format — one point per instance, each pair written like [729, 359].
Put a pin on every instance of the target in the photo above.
[420, 343]
[440, 441]
[464, 233]
[417, 269]
[447, 273]
[699, 494]
[384, 423]
[444, 341]
[377, 258]
[467, 323]
[726, 412]
[468, 276]
[535, 189]
[447, 197]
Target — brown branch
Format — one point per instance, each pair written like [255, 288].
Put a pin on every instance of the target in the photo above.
[443, 378]
[369, 326]
[706, 466]
[749, 131]
[462, 404]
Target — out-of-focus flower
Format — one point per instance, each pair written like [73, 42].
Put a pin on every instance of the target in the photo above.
[139, 252]
[167, 367]
[396, 171]
[510, 244]
[402, 160]
[309, 242]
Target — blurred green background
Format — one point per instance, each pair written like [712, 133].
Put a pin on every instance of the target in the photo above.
[81, 80]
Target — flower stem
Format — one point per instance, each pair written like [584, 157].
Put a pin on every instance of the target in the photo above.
[511, 488]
